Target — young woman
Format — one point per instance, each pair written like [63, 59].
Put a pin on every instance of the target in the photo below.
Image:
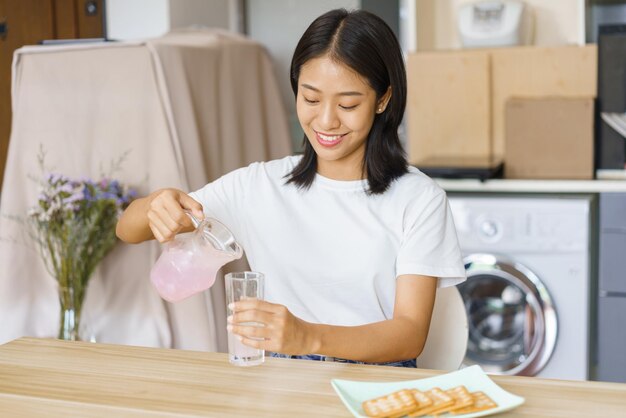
[352, 241]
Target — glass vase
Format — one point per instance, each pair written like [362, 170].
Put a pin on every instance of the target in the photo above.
[71, 307]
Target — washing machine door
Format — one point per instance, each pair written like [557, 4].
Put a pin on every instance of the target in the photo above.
[511, 317]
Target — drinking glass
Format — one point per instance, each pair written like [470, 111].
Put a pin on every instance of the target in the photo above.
[243, 285]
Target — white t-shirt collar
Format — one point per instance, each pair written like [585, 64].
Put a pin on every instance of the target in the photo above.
[355, 185]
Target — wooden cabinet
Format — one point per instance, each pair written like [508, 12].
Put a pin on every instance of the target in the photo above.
[28, 22]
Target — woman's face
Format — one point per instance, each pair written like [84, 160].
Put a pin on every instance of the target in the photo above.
[336, 108]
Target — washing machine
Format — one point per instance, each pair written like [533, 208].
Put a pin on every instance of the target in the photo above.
[527, 295]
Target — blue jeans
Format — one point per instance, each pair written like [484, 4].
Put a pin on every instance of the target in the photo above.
[315, 357]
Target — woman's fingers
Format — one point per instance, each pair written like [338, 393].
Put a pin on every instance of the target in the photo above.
[160, 230]
[274, 327]
[187, 202]
[257, 304]
[167, 208]
[251, 316]
[269, 326]
[261, 344]
[167, 213]
[177, 219]
[250, 331]
[159, 237]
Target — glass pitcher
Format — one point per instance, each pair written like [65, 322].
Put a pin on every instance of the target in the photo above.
[190, 262]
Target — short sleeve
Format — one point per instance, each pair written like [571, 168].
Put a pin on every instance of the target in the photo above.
[224, 198]
[430, 245]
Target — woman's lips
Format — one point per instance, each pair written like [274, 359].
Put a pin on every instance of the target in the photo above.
[328, 140]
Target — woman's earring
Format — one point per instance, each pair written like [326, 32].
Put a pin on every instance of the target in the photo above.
[380, 110]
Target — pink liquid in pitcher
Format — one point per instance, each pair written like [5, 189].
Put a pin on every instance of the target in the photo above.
[180, 272]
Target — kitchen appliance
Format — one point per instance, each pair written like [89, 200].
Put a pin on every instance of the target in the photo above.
[528, 290]
[610, 144]
[603, 12]
[612, 288]
[494, 23]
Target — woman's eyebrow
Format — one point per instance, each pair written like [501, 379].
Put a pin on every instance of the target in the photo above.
[344, 93]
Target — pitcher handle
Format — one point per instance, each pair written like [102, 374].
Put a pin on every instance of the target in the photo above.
[238, 251]
[194, 220]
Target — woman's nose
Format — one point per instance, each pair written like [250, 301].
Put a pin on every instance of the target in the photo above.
[328, 118]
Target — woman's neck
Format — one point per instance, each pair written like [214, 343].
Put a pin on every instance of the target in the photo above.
[336, 170]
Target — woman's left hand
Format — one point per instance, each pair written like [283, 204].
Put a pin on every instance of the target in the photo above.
[280, 330]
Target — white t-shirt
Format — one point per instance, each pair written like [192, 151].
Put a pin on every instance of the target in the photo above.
[331, 254]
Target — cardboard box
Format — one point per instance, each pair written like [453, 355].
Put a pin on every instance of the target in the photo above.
[448, 107]
[549, 138]
[563, 71]
[456, 99]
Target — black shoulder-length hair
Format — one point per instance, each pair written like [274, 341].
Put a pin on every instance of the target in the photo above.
[363, 42]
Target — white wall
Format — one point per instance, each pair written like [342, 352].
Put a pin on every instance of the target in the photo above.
[211, 13]
[139, 19]
[135, 19]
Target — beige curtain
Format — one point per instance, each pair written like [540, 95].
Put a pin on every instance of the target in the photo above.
[187, 107]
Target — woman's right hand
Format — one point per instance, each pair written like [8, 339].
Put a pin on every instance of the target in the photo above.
[166, 213]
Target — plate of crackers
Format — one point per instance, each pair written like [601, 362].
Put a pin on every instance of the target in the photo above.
[464, 393]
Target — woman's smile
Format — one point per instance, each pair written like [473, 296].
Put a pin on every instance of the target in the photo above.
[329, 140]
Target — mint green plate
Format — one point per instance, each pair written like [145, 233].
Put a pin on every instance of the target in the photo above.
[353, 393]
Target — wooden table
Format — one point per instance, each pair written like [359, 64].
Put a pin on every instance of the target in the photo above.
[73, 379]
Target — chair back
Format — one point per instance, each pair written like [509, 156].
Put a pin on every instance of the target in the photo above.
[447, 337]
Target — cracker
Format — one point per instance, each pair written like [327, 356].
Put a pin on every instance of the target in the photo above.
[394, 405]
[422, 399]
[441, 400]
[462, 399]
[482, 402]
